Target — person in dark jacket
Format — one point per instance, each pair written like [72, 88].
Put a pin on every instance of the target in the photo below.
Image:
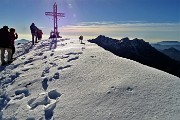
[81, 39]
[13, 36]
[33, 29]
[5, 44]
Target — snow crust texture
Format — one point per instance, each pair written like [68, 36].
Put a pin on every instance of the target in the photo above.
[65, 80]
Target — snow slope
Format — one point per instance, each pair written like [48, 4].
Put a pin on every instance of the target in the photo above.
[65, 80]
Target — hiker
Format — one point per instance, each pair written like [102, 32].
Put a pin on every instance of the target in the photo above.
[81, 38]
[33, 29]
[13, 36]
[5, 44]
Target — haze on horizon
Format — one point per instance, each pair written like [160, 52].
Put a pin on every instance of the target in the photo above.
[154, 20]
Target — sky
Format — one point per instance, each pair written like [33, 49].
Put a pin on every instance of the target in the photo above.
[151, 20]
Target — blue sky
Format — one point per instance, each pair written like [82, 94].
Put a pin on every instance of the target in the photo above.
[151, 20]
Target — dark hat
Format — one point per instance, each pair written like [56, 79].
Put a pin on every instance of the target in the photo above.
[12, 29]
[5, 27]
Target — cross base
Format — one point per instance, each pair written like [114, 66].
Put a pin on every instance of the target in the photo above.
[54, 35]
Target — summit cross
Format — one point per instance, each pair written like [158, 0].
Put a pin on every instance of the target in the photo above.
[55, 15]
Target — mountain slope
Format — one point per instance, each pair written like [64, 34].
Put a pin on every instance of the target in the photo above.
[172, 52]
[140, 51]
[85, 82]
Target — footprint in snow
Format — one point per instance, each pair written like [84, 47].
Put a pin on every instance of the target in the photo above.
[64, 56]
[51, 54]
[92, 56]
[61, 68]
[18, 97]
[74, 53]
[129, 89]
[4, 100]
[119, 90]
[45, 99]
[46, 70]
[53, 94]
[72, 59]
[83, 48]
[45, 57]
[24, 91]
[63, 44]
[56, 56]
[56, 75]
[28, 61]
[48, 110]
[38, 54]
[40, 100]
[25, 69]
[28, 84]
[53, 64]
[31, 118]
[45, 83]
[10, 79]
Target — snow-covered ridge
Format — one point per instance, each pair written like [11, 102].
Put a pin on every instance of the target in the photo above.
[140, 51]
[66, 80]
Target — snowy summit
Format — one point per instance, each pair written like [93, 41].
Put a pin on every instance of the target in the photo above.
[73, 81]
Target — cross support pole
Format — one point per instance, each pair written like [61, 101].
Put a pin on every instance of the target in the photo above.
[55, 14]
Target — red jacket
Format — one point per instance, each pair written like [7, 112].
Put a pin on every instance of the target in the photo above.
[13, 37]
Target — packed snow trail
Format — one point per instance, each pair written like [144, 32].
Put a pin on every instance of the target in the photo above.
[74, 81]
[27, 55]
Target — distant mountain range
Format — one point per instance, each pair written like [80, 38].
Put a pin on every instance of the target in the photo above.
[140, 51]
[172, 52]
[170, 48]
[166, 45]
[169, 43]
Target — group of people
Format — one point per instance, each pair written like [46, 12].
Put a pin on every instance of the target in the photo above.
[7, 37]
[36, 33]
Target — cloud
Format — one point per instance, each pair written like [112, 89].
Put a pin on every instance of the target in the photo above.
[122, 26]
[131, 29]
[139, 29]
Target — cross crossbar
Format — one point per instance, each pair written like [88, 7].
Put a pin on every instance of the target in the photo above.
[55, 14]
